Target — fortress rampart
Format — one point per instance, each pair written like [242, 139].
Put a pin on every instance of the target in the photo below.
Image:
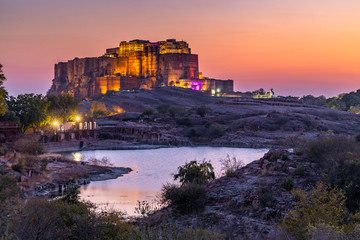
[137, 64]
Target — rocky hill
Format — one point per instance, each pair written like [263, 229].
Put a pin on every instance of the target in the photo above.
[250, 203]
[234, 122]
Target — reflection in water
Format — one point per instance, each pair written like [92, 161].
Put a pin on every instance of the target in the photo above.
[77, 156]
[151, 169]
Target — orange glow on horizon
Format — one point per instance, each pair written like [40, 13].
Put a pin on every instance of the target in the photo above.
[283, 44]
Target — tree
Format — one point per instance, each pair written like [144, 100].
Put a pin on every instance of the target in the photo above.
[193, 172]
[63, 107]
[3, 92]
[98, 109]
[31, 109]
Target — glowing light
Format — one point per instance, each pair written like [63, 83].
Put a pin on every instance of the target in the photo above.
[77, 156]
[77, 118]
[212, 91]
[196, 86]
[218, 90]
[56, 123]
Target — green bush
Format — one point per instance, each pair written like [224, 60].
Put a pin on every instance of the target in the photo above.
[322, 205]
[328, 149]
[171, 232]
[147, 112]
[177, 111]
[194, 172]
[206, 131]
[99, 114]
[8, 188]
[202, 110]
[30, 160]
[186, 198]
[28, 146]
[300, 170]
[357, 138]
[216, 131]
[163, 109]
[266, 198]
[230, 165]
[3, 151]
[19, 167]
[339, 160]
[288, 184]
[184, 121]
[43, 164]
[58, 219]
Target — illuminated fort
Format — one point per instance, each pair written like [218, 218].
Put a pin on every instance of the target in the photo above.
[137, 64]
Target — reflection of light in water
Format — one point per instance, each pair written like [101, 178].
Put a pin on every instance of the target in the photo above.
[77, 156]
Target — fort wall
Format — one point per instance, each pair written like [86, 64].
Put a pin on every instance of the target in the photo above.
[133, 65]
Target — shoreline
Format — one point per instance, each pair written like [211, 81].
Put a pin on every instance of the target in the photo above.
[95, 173]
[104, 145]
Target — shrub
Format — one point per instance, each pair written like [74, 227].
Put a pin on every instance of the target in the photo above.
[187, 198]
[57, 219]
[184, 121]
[321, 206]
[164, 108]
[8, 188]
[328, 232]
[99, 114]
[274, 156]
[171, 232]
[28, 146]
[147, 112]
[193, 172]
[230, 165]
[3, 151]
[143, 208]
[19, 167]
[43, 164]
[202, 110]
[288, 184]
[300, 170]
[266, 198]
[328, 148]
[357, 138]
[177, 111]
[339, 160]
[216, 131]
[30, 161]
[71, 196]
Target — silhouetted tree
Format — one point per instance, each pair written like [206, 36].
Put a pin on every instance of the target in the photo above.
[3, 92]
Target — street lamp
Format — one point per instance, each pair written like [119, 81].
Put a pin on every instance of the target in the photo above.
[56, 124]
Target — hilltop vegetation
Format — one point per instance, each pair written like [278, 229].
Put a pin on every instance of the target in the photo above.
[344, 102]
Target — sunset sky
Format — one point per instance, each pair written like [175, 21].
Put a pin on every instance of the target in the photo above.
[297, 47]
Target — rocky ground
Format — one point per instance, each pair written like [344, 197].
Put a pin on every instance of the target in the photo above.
[59, 174]
[249, 204]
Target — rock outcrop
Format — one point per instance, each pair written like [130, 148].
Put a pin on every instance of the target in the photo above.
[249, 204]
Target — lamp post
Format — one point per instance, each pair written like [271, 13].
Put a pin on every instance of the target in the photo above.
[56, 124]
[77, 127]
